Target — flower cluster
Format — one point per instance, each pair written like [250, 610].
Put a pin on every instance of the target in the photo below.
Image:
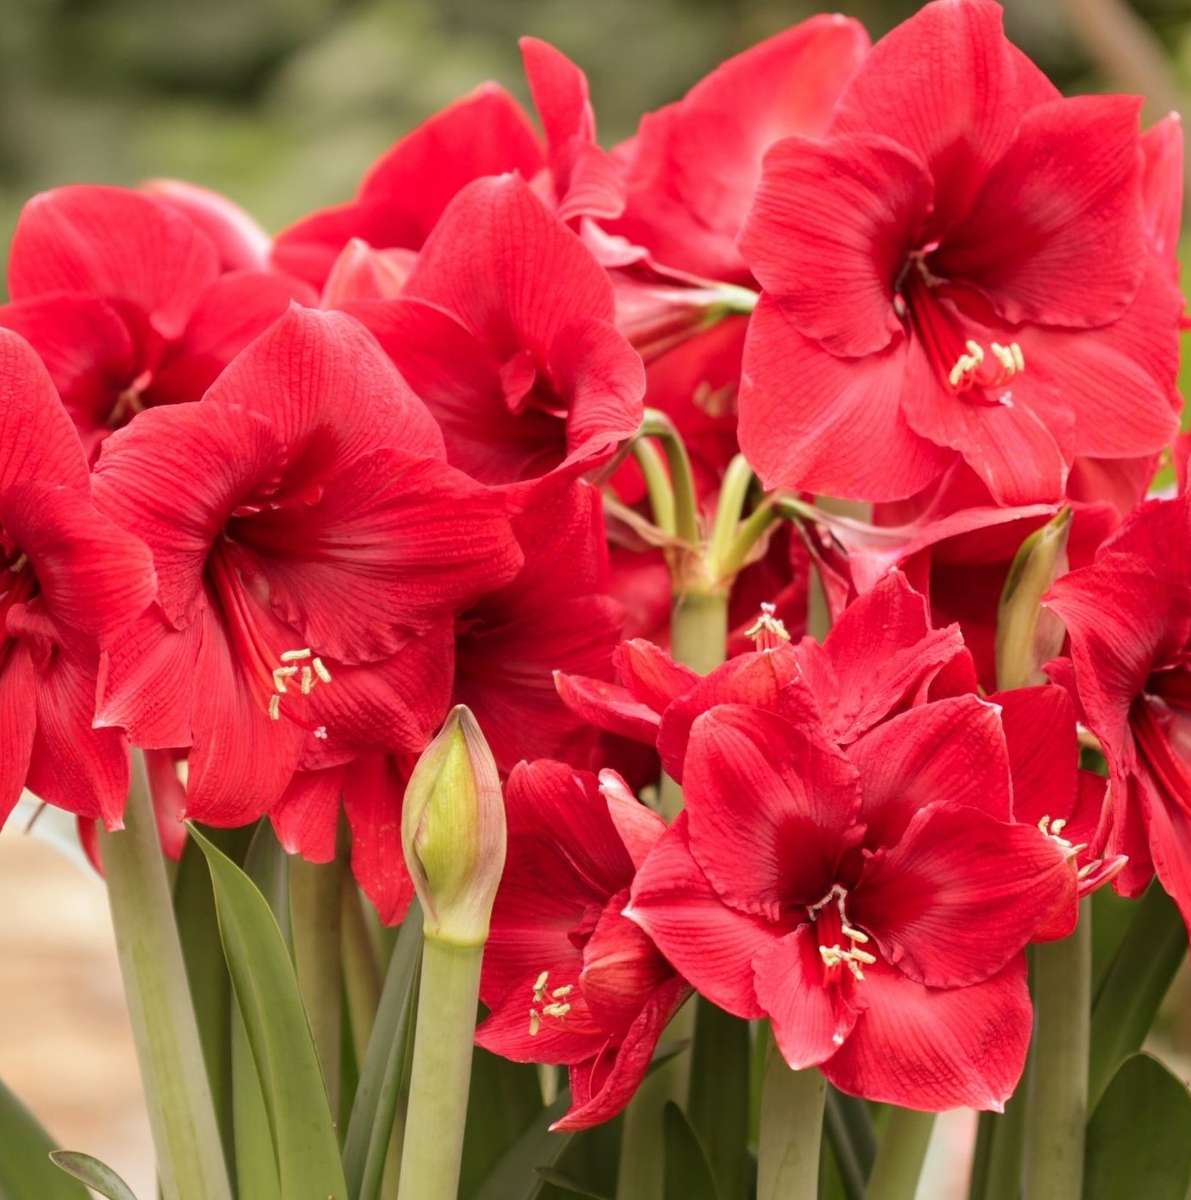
[270, 507]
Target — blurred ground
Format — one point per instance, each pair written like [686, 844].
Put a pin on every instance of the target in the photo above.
[65, 1046]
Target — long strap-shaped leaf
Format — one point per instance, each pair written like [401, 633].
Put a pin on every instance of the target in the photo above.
[26, 1172]
[267, 995]
[1134, 985]
[96, 1175]
[386, 1066]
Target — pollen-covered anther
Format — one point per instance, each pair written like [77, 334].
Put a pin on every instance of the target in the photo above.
[855, 959]
[18, 564]
[280, 675]
[968, 369]
[275, 707]
[768, 631]
[556, 1010]
[1054, 829]
[539, 987]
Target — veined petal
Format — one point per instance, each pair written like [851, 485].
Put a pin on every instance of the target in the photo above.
[830, 228]
[710, 944]
[18, 720]
[373, 789]
[951, 751]
[960, 894]
[116, 244]
[934, 1049]
[811, 1019]
[800, 407]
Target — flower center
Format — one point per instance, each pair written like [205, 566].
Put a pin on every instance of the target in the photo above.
[833, 928]
[768, 631]
[548, 1002]
[18, 584]
[272, 674]
[963, 364]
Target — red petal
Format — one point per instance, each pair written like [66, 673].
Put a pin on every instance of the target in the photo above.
[1056, 234]
[508, 269]
[829, 230]
[1040, 733]
[373, 788]
[571, 1039]
[707, 942]
[88, 351]
[319, 373]
[37, 440]
[225, 453]
[952, 750]
[240, 242]
[608, 707]
[396, 542]
[640, 828]
[600, 1090]
[18, 720]
[1162, 185]
[306, 818]
[800, 407]
[930, 1049]
[115, 244]
[810, 1018]
[949, 87]
[960, 895]
[651, 674]
[73, 766]
[92, 576]
[770, 805]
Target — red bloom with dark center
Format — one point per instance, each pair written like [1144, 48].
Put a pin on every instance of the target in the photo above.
[880, 657]
[70, 581]
[312, 549]
[487, 132]
[963, 268]
[122, 295]
[507, 335]
[873, 905]
[1128, 616]
[567, 978]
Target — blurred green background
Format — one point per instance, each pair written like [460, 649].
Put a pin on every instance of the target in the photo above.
[282, 103]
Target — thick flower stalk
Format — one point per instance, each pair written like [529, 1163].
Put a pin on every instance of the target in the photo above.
[453, 835]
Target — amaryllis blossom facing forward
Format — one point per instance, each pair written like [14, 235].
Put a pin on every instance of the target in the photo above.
[70, 581]
[312, 549]
[962, 267]
[873, 905]
[127, 300]
[567, 978]
[1129, 620]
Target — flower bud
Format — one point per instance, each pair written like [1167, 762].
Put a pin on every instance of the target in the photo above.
[453, 831]
[1027, 634]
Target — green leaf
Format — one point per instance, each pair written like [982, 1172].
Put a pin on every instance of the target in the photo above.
[266, 991]
[505, 1097]
[96, 1175]
[206, 972]
[518, 1174]
[853, 1140]
[1134, 985]
[1139, 1138]
[688, 1173]
[384, 1074]
[562, 1181]
[26, 1172]
[719, 1094]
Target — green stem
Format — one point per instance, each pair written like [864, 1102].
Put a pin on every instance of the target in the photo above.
[734, 490]
[900, 1155]
[682, 479]
[361, 976]
[315, 909]
[657, 484]
[190, 1163]
[791, 1131]
[996, 1166]
[448, 995]
[1058, 1100]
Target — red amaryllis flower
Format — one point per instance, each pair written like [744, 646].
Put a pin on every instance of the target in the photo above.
[1129, 620]
[406, 190]
[874, 906]
[690, 175]
[556, 615]
[239, 241]
[122, 296]
[880, 658]
[70, 580]
[310, 565]
[962, 268]
[567, 978]
[508, 337]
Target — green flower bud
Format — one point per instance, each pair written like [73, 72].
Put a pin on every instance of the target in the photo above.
[453, 832]
[1029, 635]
